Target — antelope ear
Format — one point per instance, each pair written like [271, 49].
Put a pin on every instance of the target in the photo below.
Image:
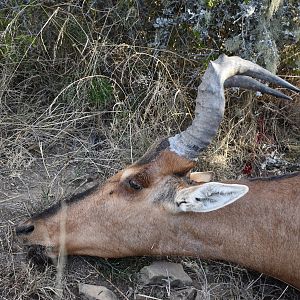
[208, 196]
[202, 176]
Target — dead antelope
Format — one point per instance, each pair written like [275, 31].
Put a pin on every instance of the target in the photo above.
[157, 207]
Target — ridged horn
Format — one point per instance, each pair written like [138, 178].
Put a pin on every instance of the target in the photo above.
[210, 102]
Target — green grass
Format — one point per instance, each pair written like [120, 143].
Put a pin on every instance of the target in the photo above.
[100, 92]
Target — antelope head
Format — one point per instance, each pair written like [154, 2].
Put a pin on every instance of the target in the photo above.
[149, 207]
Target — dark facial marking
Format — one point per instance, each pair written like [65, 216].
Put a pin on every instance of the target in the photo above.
[24, 229]
[52, 210]
[153, 151]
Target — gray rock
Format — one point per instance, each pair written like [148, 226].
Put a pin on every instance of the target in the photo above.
[184, 294]
[161, 272]
[95, 292]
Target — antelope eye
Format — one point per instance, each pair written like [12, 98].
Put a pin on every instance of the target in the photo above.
[135, 185]
[181, 174]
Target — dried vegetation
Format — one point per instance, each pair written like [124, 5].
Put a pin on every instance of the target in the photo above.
[87, 86]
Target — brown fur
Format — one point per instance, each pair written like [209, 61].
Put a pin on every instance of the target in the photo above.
[260, 231]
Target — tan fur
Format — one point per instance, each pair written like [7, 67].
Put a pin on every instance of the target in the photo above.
[260, 231]
[202, 176]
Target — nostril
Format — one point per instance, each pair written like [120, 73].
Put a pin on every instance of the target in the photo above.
[24, 229]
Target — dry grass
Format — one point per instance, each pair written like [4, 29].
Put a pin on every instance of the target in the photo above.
[81, 95]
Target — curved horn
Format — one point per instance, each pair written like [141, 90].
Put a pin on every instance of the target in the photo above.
[249, 83]
[210, 101]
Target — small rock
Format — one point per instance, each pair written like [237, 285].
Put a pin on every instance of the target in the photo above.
[95, 292]
[184, 294]
[161, 272]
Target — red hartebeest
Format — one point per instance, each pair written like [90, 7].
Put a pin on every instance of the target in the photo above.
[157, 207]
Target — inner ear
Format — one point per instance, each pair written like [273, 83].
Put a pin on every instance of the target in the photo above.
[208, 196]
